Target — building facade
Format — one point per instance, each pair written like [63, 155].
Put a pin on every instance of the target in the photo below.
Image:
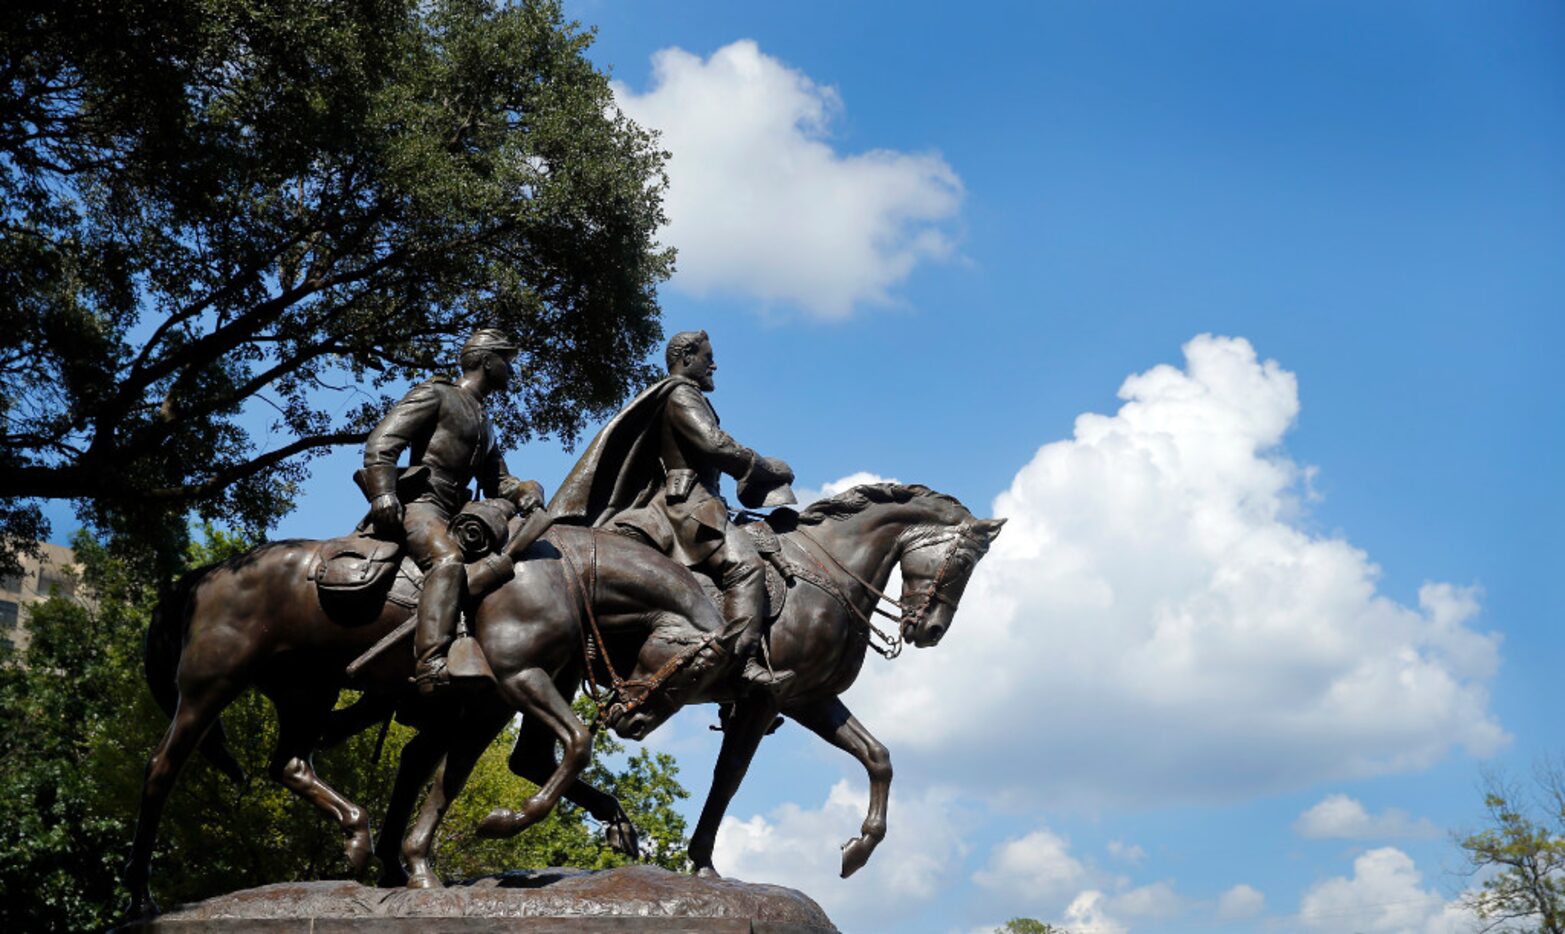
[54, 571]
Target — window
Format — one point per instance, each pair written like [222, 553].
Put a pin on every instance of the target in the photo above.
[8, 611]
[49, 581]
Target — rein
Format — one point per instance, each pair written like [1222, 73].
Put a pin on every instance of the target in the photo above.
[905, 619]
[642, 688]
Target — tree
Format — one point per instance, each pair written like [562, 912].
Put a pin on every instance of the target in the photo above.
[1520, 854]
[215, 210]
[80, 723]
[1029, 926]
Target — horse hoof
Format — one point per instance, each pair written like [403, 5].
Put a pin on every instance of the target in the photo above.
[501, 822]
[707, 872]
[855, 853]
[359, 850]
[424, 880]
[620, 835]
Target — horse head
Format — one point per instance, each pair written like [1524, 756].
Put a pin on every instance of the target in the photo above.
[936, 566]
[674, 667]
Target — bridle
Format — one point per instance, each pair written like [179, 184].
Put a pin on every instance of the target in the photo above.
[624, 695]
[916, 602]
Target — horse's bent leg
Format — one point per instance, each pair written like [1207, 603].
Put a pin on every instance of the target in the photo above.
[534, 759]
[300, 718]
[741, 737]
[414, 768]
[198, 708]
[532, 692]
[472, 736]
[831, 720]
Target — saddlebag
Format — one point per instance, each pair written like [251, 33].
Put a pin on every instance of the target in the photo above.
[355, 564]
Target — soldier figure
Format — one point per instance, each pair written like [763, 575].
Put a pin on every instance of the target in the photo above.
[451, 442]
[653, 471]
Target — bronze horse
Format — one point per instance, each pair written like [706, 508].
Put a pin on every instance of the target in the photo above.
[848, 545]
[845, 548]
[258, 619]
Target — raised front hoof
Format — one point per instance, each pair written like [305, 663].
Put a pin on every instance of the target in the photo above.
[855, 853]
[425, 880]
[501, 822]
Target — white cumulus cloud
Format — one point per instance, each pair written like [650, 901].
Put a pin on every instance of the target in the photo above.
[1158, 623]
[1088, 913]
[1340, 817]
[1036, 866]
[1384, 894]
[761, 204]
[1239, 903]
[808, 495]
[799, 847]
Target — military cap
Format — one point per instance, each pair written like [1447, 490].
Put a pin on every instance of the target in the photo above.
[490, 339]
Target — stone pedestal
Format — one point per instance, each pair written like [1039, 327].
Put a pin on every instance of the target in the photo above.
[548, 901]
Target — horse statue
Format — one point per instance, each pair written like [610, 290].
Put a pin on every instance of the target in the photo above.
[258, 620]
[841, 552]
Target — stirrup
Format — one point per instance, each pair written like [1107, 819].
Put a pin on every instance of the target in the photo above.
[761, 676]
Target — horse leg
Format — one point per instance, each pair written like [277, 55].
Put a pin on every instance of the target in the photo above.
[415, 767]
[741, 737]
[831, 720]
[473, 732]
[200, 703]
[300, 718]
[534, 759]
[532, 692]
[369, 710]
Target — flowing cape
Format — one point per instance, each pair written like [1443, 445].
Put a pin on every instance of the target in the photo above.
[620, 469]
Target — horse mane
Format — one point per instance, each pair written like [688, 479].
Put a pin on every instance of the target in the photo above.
[852, 501]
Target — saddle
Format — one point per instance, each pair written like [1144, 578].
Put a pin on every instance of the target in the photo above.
[780, 572]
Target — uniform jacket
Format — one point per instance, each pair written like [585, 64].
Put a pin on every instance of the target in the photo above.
[448, 434]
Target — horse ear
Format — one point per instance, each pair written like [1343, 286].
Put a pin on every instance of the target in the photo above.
[990, 528]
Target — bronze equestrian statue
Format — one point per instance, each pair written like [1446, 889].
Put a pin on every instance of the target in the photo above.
[653, 472]
[583, 604]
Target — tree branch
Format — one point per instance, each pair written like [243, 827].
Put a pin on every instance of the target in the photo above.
[250, 468]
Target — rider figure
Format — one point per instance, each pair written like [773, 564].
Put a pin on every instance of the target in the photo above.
[653, 471]
[451, 441]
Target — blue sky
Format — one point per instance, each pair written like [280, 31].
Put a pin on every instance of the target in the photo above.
[1255, 629]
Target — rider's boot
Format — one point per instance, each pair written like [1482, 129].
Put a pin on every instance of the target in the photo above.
[438, 606]
[744, 605]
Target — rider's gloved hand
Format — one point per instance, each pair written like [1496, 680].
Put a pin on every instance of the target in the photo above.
[386, 514]
[526, 494]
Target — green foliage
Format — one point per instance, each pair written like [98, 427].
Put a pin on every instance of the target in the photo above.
[213, 207]
[1521, 854]
[646, 786]
[1029, 926]
[79, 724]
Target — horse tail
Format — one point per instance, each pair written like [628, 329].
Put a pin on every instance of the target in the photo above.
[164, 643]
